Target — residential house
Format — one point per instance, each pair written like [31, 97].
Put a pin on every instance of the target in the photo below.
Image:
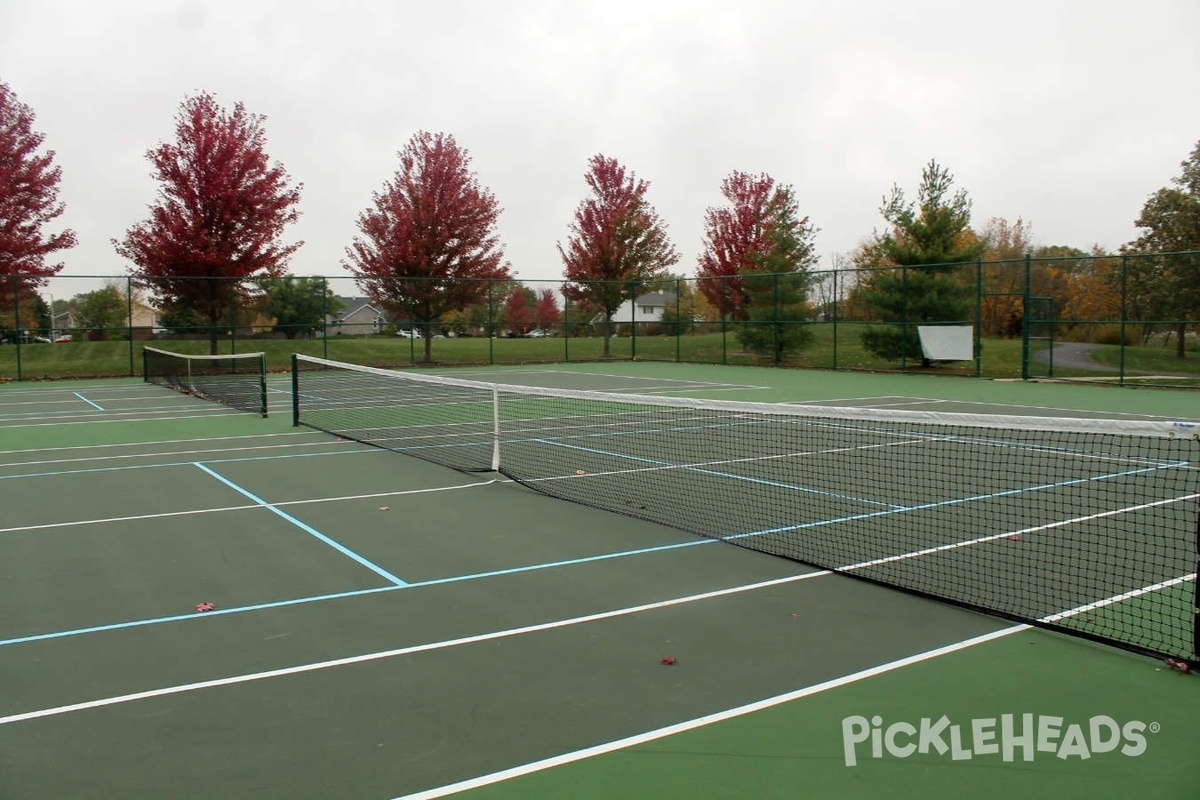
[645, 309]
[143, 319]
[358, 317]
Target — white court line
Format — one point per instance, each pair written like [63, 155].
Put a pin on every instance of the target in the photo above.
[401, 651]
[710, 719]
[219, 509]
[761, 705]
[152, 442]
[173, 453]
[562, 623]
[218, 410]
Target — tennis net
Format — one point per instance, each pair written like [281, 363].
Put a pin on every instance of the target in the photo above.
[236, 380]
[1081, 525]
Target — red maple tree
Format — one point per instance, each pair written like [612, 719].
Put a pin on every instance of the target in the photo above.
[429, 244]
[222, 207]
[547, 314]
[617, 242]
[28, 201]
[518, 316]
[736, 239]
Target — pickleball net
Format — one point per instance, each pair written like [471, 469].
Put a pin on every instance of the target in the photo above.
[236, 380]
[1080, 525]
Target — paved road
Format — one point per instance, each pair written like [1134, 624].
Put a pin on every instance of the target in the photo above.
[1077, 355]
[1074, 355]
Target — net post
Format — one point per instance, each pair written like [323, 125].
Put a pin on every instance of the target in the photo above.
[295, 391]
[495, 430]
[1196, 604]
[145, 371]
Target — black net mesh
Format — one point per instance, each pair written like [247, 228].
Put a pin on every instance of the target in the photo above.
[1087, 526]
[238, 381]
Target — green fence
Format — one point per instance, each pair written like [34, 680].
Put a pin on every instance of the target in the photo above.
[1126, 319]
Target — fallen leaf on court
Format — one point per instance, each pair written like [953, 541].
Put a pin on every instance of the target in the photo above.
[668, 661]
[205, 606]
[579, 472]
[384, 508]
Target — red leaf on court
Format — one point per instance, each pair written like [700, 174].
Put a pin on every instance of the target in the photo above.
[206, 606]
[668, 661]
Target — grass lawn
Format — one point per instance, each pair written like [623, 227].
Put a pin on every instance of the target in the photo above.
[833, 347]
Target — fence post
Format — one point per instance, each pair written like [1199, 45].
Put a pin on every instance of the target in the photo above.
[1124, 313]
[904, 333]
[633, 319]
[777, 328]
[834, 310]
[724, 324]
[129, 320]
[324, 317]
[17, 321]
[491, 330]
[678, 321]
[977, 338]
[1025, 294]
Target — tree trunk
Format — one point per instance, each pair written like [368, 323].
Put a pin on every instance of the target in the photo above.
[1181, 341]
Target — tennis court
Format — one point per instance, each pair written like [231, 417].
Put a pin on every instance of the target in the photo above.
[383, 625]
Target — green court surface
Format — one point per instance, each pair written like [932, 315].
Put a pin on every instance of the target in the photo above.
[384, 627]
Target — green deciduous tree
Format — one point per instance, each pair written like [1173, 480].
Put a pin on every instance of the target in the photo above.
[1167, 287]
[298, 305]
[929, 241]
[101, 311]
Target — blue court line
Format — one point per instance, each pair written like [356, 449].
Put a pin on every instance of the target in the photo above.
[185, 463]
[378, 570]
[355, 593]
[89, 402]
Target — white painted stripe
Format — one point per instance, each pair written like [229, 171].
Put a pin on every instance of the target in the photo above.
[307, 501]
[402, 651]
[720, 716]
[151, 442]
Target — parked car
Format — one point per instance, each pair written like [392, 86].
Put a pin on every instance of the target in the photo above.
[407, 334]
[63, 337]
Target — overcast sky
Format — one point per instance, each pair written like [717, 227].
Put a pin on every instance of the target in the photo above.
[1068, 114]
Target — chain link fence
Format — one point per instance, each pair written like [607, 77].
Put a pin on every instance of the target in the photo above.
[1125, 319]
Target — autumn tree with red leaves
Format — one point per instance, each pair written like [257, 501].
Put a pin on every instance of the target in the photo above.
[28, 202]
[222, 207]
[617, 242]
[429, 244]
[755, 263]
[745, 237]
[518, 314]
[547, 315]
